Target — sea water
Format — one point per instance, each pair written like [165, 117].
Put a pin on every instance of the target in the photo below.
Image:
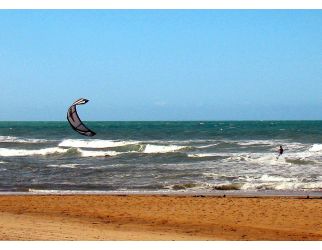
[208, 157]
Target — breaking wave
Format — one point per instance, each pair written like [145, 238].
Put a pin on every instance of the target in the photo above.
[316, 148]
[246, 186]
[90, 153]
[153, 149]
[94, 143]
[147, 149]
[183, 186]
[54, 151]
[259, 142]
[63, 165]
[204, 155]
[282, 186]
[207, 146]
[13, 139]
[140, 147]
[25, 152]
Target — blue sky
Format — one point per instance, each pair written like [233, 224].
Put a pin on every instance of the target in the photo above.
[161, 64]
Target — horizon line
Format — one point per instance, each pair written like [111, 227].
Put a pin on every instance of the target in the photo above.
[201, 120]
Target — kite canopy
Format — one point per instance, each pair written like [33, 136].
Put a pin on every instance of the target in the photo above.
[75, 121]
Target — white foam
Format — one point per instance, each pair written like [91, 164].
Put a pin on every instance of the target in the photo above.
[275, 182]
[78, 143]
[269, 178]
[288, 146]
[256, 186]
[20, 140]
[54, 150]
[25, 152]
[89, 153]
[298, 186]
[64, 165]
[299, 155]
[207, 146]
[316, 148]
[97, 192]
[257, 142]
[201, 155]
[249, 157]
[210, 175]
[258, 158]
[149, 149]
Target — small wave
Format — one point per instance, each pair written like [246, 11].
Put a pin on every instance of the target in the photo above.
[230, 186]
[63, 165]
[206, 155]
[257, 142]
[270, 178]
[257, 158]
[207, 146]
[275, 182]
[44, 191]
[94, 143]
[271, 143]
[296, 158]
[24, 152]
[282, 186]
[72, 191]
[89, 153]
[13, 139]
[210, 175]
[154, 149]
[257, 186]
[299, 161]
[299, 186]
[183, 186]
[56, 150]
[241, 157]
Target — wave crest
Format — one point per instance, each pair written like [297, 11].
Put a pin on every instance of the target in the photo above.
[25, 152]
[92, 153]
[13, 139]
[154, 149]
[78, 143]
[56, 150]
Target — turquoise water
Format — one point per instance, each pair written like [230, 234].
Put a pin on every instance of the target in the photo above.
[198, 156]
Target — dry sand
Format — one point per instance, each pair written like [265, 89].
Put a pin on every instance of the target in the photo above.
[157, 217]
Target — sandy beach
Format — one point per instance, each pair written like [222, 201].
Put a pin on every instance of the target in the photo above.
[157, 217]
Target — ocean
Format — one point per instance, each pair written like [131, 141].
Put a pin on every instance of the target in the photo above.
[201, 157]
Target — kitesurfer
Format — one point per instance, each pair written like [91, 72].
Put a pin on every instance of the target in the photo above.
[280, 152]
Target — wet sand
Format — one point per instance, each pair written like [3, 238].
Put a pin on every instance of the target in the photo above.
[157, 217]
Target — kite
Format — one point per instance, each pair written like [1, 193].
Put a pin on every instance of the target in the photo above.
[74, 120]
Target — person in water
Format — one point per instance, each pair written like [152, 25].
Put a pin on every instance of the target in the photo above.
[280, 151]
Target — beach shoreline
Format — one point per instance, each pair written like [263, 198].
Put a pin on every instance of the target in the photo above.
[184, 192]
[159, 217]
